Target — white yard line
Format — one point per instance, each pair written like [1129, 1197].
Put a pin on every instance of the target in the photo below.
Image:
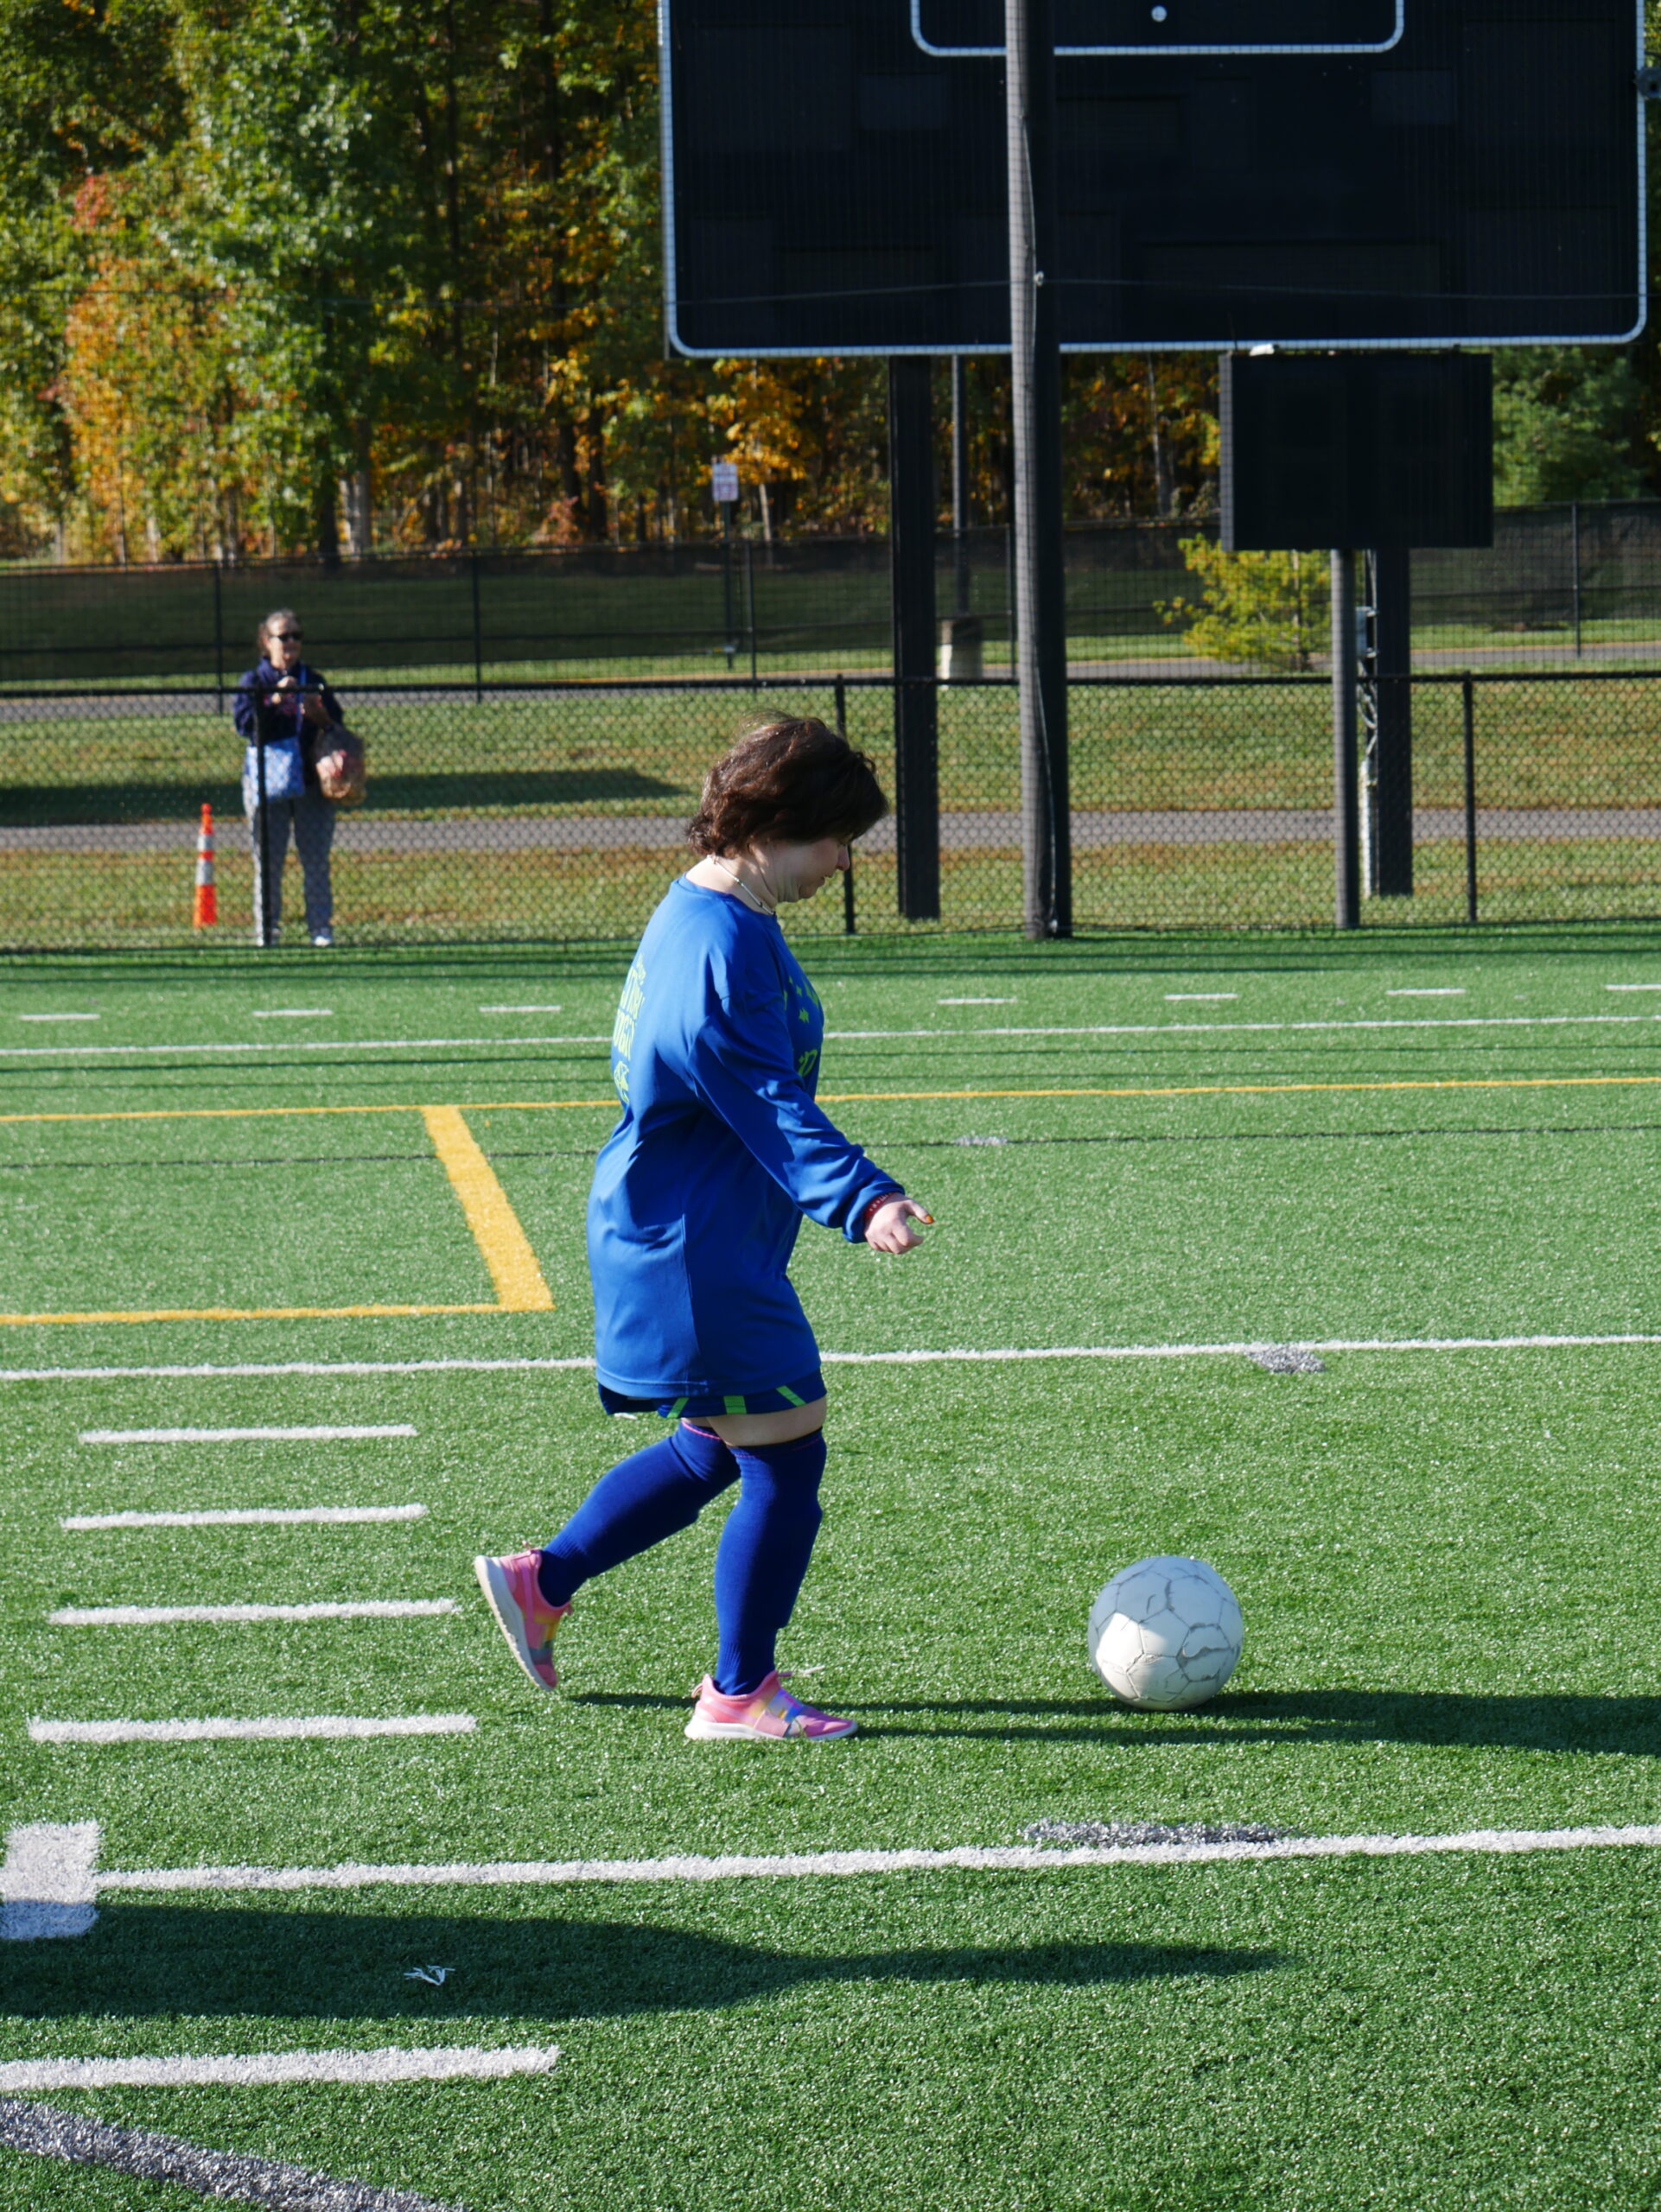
[48, 1882]
[1215, 1028]
[293, 1012]
[521, 1009]
[277, 1728]
[1075, 1029]
[1430, 991]
[79, 2140]
[294, 1435]
[1180, 998]
[974, 1002]
[1026, 1857]
[243, 1516]
[311, 1045]
[61, 1017]
[437, 2062]
[1607, 986]
[959, 1355]
[367, 1609]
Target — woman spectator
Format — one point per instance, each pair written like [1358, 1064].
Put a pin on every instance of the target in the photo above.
[699, 1194]
[285, 706]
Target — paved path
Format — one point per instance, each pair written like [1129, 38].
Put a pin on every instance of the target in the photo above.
[1094, 829]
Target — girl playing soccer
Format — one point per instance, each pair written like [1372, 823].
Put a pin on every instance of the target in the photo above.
[698, 1198]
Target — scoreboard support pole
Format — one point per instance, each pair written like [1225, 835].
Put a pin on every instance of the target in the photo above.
[1347, 841]
[916, 729]
[1035, 394]
[1391, 746]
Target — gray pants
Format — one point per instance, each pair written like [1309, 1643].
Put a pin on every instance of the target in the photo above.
[313, 817]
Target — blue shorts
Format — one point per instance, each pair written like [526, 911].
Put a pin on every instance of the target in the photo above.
[780, 1400]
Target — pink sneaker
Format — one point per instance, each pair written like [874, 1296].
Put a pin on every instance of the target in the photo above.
[523, 1614]
[764, 1716]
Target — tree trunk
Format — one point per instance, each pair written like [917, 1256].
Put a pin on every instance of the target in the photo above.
[1164, 474]
[599, 503]
[327, 516]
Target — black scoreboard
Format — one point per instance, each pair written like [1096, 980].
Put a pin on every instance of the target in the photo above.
[1170, 26]
[1345, 174]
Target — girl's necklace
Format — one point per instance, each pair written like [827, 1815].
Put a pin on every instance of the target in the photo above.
[758, 904]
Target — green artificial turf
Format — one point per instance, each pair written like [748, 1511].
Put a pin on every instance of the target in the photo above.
[1447, 1560]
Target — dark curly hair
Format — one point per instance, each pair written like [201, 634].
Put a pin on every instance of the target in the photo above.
[794, 779]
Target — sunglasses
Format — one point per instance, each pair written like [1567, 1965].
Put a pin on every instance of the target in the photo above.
[287, 637]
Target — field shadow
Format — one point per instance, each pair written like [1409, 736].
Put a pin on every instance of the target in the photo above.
[1630, 1726]
[72, 805]
[145, 1960]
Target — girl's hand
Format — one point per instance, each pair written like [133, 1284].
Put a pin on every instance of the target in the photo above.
[889, 1228]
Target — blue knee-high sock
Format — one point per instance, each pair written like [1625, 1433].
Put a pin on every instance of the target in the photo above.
[644, 1498]
[763, 1555]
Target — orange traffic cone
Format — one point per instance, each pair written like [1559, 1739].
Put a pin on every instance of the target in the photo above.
[206, 913]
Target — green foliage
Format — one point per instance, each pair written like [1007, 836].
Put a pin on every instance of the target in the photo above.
[263, 255]
[1268, 608]
[1565, 421]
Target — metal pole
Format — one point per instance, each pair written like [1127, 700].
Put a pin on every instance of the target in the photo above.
[478, 636]
[263, 833]
[848, 873]
[1468, 691]
[727, 579]
[1346, 850]
[1392, 672]
[1574, 554]
[916, 698]
[749, 601]
[1035, 405]
[219, 642]
[959, 486]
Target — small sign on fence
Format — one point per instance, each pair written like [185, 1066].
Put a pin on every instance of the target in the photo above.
[723, 482]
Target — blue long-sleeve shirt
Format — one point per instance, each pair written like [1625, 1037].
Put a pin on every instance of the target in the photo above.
[699, 1192]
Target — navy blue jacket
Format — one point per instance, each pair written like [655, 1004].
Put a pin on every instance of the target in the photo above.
[285, 719]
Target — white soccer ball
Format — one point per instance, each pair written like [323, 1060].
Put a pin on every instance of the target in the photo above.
[1165, 1635]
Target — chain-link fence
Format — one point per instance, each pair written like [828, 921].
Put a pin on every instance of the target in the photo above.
[557, 812]
[1558, 584]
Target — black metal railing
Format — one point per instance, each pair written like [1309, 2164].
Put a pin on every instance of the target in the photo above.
[1558, 584]
[556, 811]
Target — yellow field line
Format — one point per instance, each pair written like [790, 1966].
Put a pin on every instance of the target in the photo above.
[251, 1314]
[268, 1113]
[873, 1098]
[502, 1242]
[506, 1251]
[1256, 1090]
[495, 1226]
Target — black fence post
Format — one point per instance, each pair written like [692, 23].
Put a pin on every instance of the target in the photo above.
[219, 642]
[1575, 555]
[749, 601]
[730, 642]
[1467, 694]
[848, 873]
[478, 635]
